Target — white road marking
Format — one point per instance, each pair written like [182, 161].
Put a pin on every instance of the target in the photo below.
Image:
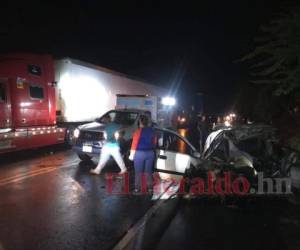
[4, 183]
[23, 174]
[45, 170]
[123, 243]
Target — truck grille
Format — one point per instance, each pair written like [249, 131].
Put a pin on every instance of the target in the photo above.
[91, 136]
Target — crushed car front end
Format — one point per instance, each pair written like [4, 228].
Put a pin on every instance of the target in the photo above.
[245, 160]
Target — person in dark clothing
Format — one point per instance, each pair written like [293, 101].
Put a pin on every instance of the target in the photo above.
[193, 132]
[142, 153]
[203, 129]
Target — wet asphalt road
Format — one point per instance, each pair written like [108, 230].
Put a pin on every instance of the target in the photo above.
[50, 201]
[267, 225]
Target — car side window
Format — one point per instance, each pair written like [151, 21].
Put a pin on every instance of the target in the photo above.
[171, 142]
[112, 116]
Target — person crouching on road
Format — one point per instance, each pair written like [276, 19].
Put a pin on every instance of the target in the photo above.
[111, 147]
[142, 154]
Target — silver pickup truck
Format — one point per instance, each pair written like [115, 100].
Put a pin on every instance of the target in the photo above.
[89, 138]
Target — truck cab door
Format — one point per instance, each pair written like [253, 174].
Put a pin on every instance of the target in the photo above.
[174, 155]
[5, 105]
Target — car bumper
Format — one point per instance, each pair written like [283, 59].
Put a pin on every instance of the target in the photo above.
[90, 148]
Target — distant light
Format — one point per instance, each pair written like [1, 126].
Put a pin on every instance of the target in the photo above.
[182, 132]
[227, 123]
[182, 120]
[168, 101]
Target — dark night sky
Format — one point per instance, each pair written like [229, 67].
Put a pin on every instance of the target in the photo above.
[188, 46]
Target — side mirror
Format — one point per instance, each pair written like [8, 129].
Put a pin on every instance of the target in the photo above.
[196, 154]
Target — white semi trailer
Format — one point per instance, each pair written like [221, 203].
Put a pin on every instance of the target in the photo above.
[86, 91]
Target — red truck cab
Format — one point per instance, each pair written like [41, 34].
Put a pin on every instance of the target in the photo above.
[27, 102]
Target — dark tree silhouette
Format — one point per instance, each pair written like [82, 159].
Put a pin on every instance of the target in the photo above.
[274, 66]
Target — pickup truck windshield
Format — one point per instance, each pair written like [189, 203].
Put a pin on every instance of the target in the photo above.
[124, 118]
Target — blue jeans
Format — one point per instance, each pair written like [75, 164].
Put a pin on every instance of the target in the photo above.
[143, 165]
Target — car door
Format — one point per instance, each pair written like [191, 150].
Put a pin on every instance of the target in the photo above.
[174, 154]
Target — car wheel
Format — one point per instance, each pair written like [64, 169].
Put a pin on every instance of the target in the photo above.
[84, 157]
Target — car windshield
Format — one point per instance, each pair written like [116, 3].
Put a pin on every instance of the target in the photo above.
[124, 118]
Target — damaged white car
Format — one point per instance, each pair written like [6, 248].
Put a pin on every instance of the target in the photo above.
[242, 160]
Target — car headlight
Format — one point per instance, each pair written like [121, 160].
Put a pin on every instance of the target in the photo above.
[117, 135]
[76, 133]
[104, 135]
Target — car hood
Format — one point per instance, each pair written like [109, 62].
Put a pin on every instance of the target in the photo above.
[238, 134]
[224, 144]
[93, 126]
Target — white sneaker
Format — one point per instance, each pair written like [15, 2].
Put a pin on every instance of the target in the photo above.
[123, 172]
[93, 171]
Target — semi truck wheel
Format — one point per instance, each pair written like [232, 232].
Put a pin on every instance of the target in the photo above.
[84, 157]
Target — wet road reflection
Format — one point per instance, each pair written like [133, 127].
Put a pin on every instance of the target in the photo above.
[65, 208]
[50, 201]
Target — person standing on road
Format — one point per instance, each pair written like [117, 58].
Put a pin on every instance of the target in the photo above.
[111, 147]
[142, 154]
[218, 123]
[203, 131]
[193, 130]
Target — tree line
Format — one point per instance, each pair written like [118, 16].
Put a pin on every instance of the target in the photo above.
[272, 92]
